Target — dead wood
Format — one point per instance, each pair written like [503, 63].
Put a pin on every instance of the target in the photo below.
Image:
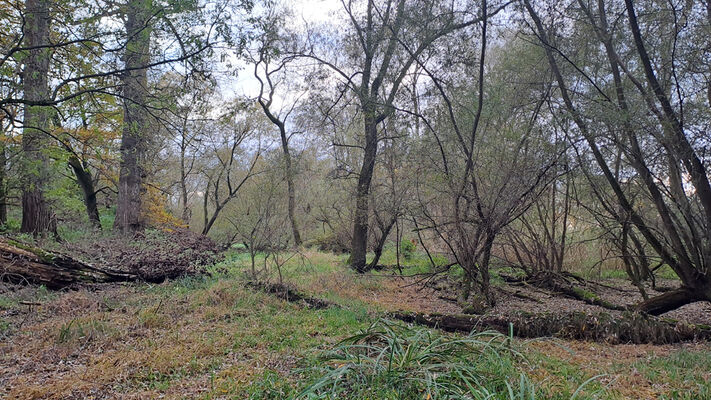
[631, 327]
[20, 262]
[290, 294]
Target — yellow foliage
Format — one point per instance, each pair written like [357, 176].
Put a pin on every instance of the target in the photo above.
[155, 212]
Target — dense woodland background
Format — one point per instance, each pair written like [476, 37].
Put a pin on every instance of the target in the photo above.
[548, 136]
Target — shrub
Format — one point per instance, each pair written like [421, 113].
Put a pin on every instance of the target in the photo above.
[407, 248]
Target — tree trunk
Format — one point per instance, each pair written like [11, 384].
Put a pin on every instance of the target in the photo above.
[602, 327]
[86, 183]
[668, 301]
[290, 188]
[186, 215]
[359, 244]
[135, 129]
[3, 192]
[378, 251]
[484, 271]
[208, 223]
[37, 217]
[22, 263]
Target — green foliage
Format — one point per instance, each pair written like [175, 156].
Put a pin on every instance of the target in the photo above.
[407, 248]
[82, 330]
[393, 361]
[11, 225]
[270, 386]
[688, 370]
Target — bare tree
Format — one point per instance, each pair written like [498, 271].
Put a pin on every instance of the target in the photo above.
[494, 161]
[267, 76]
[226, 174]
[389, 36]
[679, 232]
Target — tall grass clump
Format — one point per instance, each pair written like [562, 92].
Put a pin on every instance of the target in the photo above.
[394, 361]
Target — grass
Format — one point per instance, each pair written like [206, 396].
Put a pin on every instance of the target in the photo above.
[209, 337]
[393, 361]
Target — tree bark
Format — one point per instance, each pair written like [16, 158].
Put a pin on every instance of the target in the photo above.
[86, 183]
[37, 217]
[3, 192]
[290, 188]
[602, 327]
[186, 215]
[668, 301]
[359, 244]
[23, 263]
[135, 129]
[378, 250]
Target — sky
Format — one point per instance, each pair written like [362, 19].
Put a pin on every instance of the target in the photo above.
[306, 12]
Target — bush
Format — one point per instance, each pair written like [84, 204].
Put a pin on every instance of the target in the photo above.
[407, 248]
[331, 242]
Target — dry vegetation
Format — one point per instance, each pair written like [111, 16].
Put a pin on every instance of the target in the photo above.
[211, 337]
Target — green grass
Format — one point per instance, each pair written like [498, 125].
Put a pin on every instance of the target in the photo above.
[212, 332]
[394, 361]
[689, 371]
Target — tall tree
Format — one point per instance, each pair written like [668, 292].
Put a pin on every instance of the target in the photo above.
[265, 75]
[388, 36]
[679, 229]
[37, 216]
[136, 119]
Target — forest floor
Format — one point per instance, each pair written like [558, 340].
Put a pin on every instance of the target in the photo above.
[213, 337]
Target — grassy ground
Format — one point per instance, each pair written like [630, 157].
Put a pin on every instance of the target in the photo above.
[210, 337]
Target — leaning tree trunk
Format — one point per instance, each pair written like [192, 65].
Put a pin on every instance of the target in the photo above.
[23, 263]
[135, 127]
[36, 214]
[378, 250]
[86, 183]
[672, 300]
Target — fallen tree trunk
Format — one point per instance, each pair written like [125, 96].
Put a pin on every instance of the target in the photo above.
[20, 262]
[668, 301]
[290, 294]
[602, 327]
[559, 282]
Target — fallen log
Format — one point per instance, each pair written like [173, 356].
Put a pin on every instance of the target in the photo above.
[630, 327]
[21, 263]
[559, 283]
[290, 294]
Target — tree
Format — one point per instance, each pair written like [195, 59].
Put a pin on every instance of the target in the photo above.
[37, 215]
[267, 76]
[492, 158]
[679, 231]
[225, 172]
[386, 38]
[135, 118]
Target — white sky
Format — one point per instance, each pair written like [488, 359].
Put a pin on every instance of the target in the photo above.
[306, 12]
